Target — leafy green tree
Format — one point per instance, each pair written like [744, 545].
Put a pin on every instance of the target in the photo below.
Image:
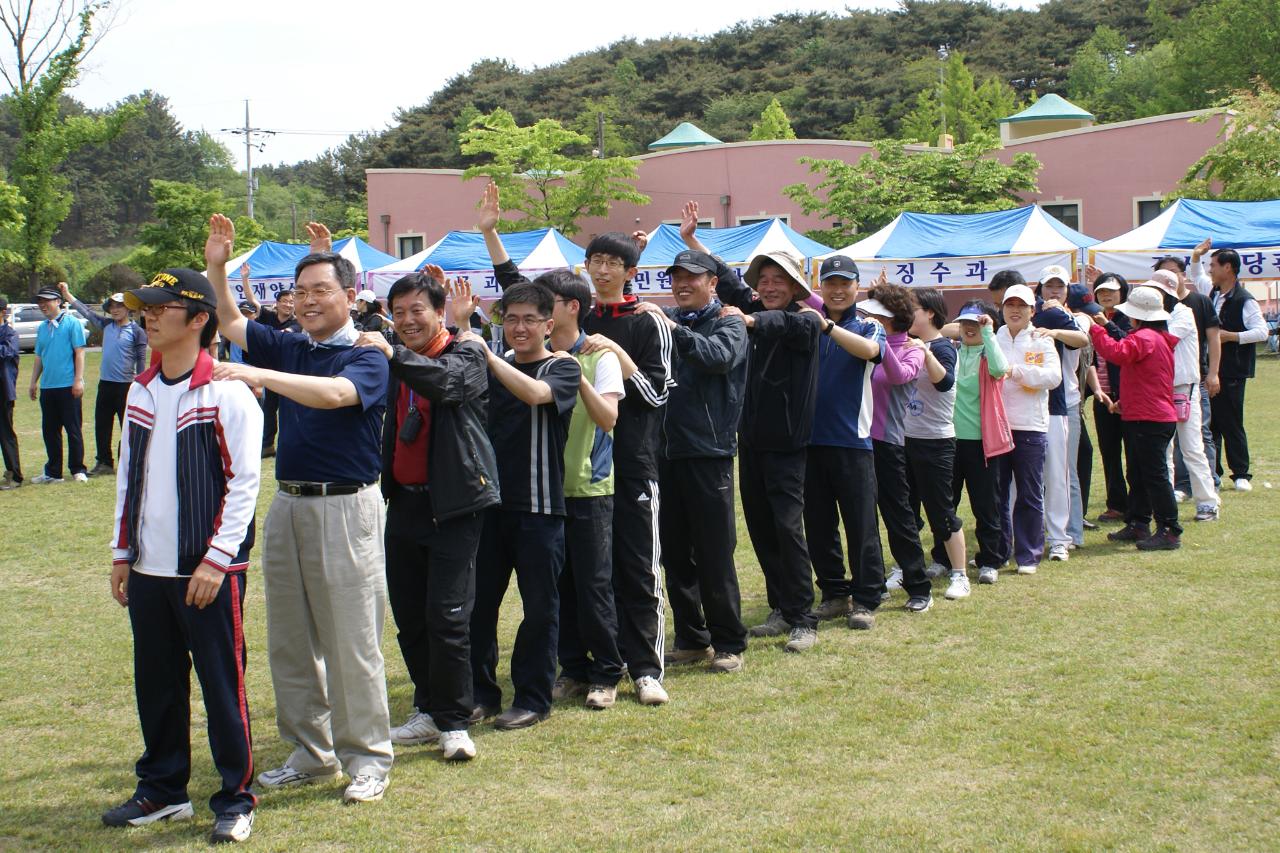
[1225, 46]
[177, 237]
[867, 195]
[1245, 165]
[1117, 85]
[586, 123]
[547, 186]
[971, 109]
[773, 123]
[46, 60]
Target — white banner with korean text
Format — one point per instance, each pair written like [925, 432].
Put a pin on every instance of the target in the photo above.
[962, 272]
[1257, 264]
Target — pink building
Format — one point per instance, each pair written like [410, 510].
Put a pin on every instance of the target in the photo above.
[1103, 180]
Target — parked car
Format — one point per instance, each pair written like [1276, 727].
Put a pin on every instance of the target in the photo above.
[26, 319]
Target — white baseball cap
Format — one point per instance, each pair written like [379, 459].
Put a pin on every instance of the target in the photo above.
[1055, 271]
[874, 307]
[367, 296]
[1021, 292]
[1144, 303]
[1165, 280]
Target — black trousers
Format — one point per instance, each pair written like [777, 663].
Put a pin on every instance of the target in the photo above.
[1111, 445]
[168, 637]
[431, 584]
[637, 577]
[972, 470]
[60, 411]
[1146, 447]
[588, 645]
[699, 532]
[9, 441]
[532, 546]
[840, 485]
[893, 497]
[1084, 464]
[108, 410]
[772, 488]
[1228, 429]
[931, 476]
[270, 417]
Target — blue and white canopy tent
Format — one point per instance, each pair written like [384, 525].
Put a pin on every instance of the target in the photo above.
[271, 265]
[1250, 227]
[963, 250]
[735, 246]
[461, 254]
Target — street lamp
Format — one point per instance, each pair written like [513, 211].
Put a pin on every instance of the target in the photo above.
[944, 51]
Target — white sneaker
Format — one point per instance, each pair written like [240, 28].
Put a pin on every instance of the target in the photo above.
[988, 575]
[419, 728]
[285, 776]
[1243, 485]
[973, 563]
[1027, 570]
[45, 479]
[894, 581]
[233, 828]
[81, 477]
[1058, 552]
[959, 587]
[457, 746]
[650, 691]
[1179, 495]
[364, 789]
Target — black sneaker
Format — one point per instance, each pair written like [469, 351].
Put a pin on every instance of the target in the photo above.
[1162, 540]
[1130, 533]
[138, 811]
[919, 603]
[101, 470]
[232, 828]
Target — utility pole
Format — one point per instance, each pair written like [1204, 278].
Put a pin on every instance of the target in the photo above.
[249, 132]
[600, 134]
[943, 52]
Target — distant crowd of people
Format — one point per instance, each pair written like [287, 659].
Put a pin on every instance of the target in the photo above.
[588, 448]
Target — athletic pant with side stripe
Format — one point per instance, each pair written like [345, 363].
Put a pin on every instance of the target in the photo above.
[168, 636]
[637, 579]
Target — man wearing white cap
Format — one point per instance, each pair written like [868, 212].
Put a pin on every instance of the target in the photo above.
[1186, 394]
[777, 423]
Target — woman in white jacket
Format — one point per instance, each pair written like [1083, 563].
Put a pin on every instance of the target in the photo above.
[1034, 369]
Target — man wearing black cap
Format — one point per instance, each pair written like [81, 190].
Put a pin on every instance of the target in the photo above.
[59, 375]
[777, 422]
[185, 499]
[697, 522]
[841, 480]
[323, 561]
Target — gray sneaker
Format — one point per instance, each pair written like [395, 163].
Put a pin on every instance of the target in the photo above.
[986, 574]
[726, 662]
[833, 608]
[567, 688]
[861, 619]
[684, 657]
[773, 626]
[936, 570]
[801, 640]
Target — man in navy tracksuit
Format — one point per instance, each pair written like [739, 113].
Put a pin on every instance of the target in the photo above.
[186, 492]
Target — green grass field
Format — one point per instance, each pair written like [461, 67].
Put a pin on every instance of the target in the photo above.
[1116, 701]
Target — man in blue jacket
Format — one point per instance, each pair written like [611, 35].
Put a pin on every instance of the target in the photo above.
[8, 394]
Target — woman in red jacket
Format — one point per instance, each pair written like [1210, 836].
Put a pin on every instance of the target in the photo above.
[1145, 359]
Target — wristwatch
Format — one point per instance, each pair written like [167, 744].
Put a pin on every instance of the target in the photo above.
[831, 324]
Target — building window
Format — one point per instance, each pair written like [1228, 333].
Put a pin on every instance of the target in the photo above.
[411, 245]
[1147, 210]
[702, 223]
[1067, 213]
[753, 220]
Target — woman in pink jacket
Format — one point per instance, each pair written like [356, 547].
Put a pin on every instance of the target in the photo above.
[1148, 418]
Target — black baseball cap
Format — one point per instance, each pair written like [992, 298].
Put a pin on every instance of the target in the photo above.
[47, 292]
[184, 284]
[838, 266]
[694, 261]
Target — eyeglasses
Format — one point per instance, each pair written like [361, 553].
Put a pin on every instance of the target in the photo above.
[158, 310]
[318, 294]
[517, 322]
[599, 261]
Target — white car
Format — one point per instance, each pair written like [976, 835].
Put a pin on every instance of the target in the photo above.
[26, 317]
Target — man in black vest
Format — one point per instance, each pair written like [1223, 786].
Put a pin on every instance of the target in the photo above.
[1242, 328]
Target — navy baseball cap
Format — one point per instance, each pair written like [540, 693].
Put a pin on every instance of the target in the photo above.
[694, 261]
[838, 266]
[1080, 299]
[172, 284]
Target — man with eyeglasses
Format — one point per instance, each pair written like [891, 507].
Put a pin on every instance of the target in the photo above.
[531, 400]
[614, 324]
[323, 559]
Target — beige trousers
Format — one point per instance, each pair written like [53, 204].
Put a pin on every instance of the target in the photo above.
[326, 590]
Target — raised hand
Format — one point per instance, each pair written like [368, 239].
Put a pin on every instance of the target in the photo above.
[1091, 274]
[244, 271]
[464, 304]
[490, 209]
[65, 291]
[689, 221]
[434, 271]
[321, 239]
[882, 278]
[1203, 246]
[221, 242]
[640, 238]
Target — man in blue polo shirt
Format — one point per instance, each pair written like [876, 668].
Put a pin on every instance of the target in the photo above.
[59, 377]
[322, 562]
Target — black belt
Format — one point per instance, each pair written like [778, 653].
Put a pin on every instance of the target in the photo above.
[319, 490]
[421, 489]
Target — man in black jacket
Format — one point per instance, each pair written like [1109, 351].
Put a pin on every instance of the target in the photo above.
[697, 523]
[1243, 328]
[434, 433]
[777, 421]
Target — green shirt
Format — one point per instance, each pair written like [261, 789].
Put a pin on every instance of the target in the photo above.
[588, 454]
[968, 413]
